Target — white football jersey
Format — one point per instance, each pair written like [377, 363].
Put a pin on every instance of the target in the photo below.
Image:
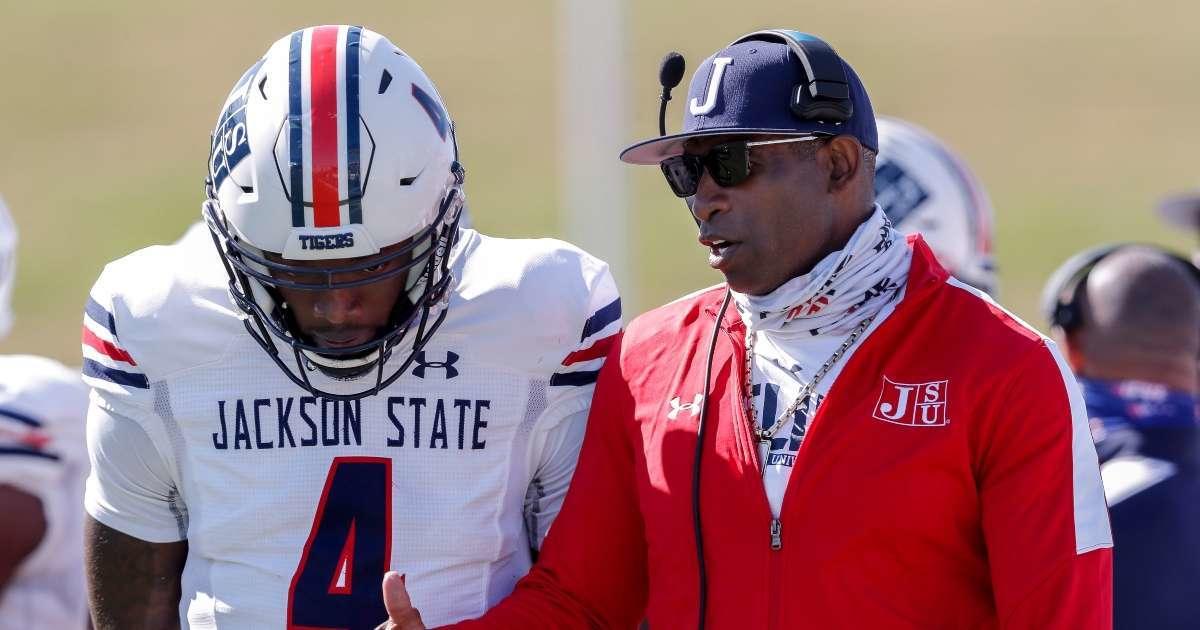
[294, 506]
[42, 407]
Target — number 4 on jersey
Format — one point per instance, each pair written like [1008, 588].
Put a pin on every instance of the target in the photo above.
[336, 584]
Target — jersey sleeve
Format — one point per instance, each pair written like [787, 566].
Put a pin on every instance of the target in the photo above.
[583, 579]
[558, 431]
[130, 487]
[575, 376]
[31, 454]
[41, 424]
[109, 365]
[1045, 522]
[558, 447]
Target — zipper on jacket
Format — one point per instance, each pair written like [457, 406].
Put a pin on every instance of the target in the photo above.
[775, 577]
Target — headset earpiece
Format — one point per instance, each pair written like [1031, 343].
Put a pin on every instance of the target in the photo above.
[1067, 314]
[824, 95]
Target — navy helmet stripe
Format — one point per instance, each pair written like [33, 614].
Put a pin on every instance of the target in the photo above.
[602, 318]
[353, 156]
[20, 417]
[431, 107]
[573, 379]
[100, 315]
[296, 128]
[120, 377]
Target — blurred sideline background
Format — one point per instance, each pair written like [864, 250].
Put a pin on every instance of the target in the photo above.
[1077, 116]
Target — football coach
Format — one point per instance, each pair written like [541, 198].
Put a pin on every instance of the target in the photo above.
[839, 436]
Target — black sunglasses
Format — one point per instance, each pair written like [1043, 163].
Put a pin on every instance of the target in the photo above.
[728, 163]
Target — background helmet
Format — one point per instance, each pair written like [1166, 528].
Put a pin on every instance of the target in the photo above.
[924, 187]
[334, 146]
[8, 267]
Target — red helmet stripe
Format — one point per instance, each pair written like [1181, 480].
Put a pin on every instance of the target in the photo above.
[324, 93]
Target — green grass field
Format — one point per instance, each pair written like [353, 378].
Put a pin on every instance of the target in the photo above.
[1078, 116]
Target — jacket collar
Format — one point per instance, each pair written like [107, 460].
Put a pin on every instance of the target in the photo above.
[925, 274]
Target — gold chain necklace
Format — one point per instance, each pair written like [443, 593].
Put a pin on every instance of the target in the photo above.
[765, 435]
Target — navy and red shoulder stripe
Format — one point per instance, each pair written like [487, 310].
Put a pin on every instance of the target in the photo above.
[600, 331]
[103, 356]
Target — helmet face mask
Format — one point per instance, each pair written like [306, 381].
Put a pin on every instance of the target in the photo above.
[268, 321]
[368, 193]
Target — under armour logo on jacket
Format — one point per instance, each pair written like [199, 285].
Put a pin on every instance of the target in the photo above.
[678, 405]
[447, 365]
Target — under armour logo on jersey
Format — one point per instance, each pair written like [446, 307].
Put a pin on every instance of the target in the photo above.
[678, 405]
[714, 86]
[913, 404]
[447, 365]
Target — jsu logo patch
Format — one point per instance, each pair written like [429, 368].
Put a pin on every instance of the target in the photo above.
[677, 405]
[448, 365]
[913, 404]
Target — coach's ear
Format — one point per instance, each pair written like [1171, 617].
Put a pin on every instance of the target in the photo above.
[845, 160]
[401, 614]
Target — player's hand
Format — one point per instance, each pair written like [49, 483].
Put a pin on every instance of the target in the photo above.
[401, 614]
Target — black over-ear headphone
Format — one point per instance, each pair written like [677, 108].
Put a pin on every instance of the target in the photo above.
[1064, 290]
[825, 94]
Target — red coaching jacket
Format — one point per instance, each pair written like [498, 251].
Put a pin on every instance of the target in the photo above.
[947, 481]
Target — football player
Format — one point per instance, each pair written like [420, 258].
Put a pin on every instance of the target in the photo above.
[349, 382]
[42, 467]
[924, 187]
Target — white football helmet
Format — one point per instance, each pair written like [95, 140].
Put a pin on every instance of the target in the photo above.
[925, 188]
[8, 268]
[335, 145]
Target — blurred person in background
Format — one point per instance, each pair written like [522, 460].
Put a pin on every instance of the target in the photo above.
[839, 436]
[1129, 318]
[1183, 210]
[43, 464]
[926, 188]
[349, 381]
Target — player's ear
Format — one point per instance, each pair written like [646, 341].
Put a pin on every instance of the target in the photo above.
[844, 155]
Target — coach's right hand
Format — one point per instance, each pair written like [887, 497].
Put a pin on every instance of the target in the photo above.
[401, 614]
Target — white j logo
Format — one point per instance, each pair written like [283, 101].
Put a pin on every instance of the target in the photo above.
[714, 85]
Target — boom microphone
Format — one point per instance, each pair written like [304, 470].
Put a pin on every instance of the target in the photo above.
[670, 73]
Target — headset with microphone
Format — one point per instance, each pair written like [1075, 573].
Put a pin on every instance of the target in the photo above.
[1063, 296]
[823, 95]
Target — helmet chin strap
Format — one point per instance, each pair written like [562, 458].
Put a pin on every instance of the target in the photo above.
[357, 364]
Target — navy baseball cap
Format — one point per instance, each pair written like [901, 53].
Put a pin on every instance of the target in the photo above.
[746, 88]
